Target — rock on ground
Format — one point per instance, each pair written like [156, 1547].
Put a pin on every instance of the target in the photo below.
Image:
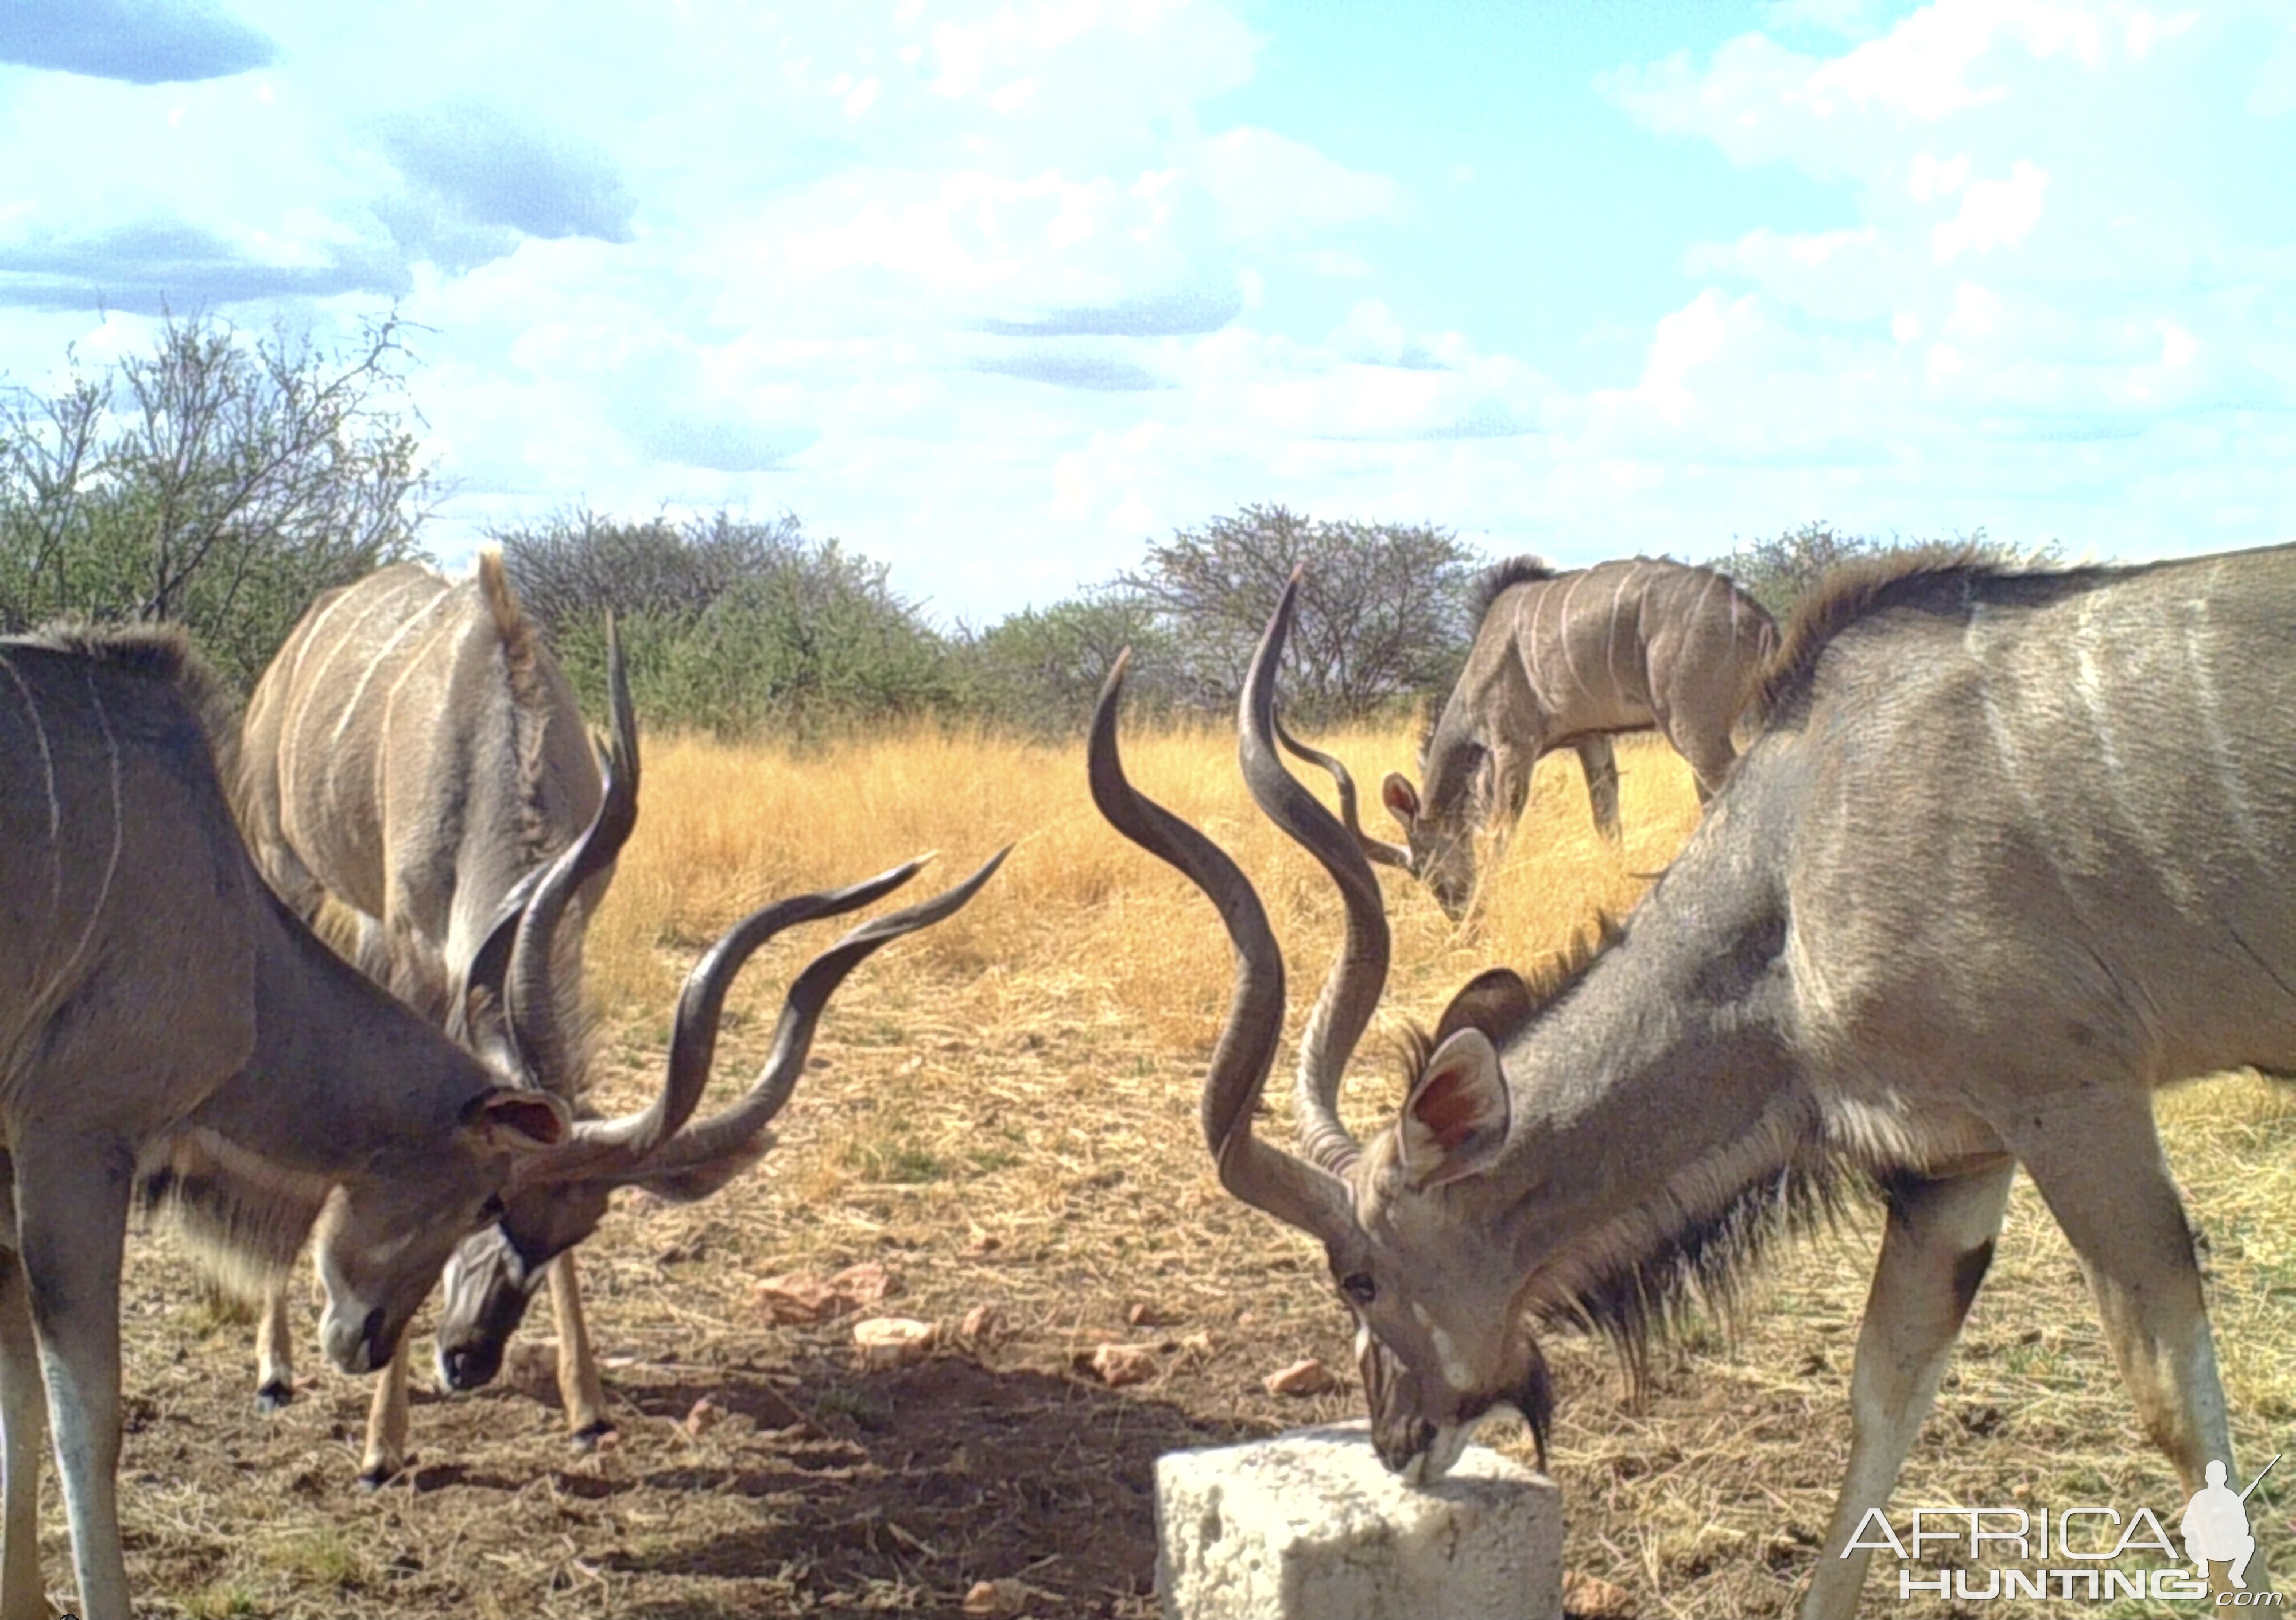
[1310, 1526]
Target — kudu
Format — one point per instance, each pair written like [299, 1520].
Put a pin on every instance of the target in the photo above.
[414, 755]
[2008, 853]
[1575, 658]
[490, 1277]
[167, 1024]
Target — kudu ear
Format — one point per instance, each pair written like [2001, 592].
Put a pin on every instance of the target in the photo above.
[1400, 797]
[1498, 1002]
[509, 1119]
[1455, 1121]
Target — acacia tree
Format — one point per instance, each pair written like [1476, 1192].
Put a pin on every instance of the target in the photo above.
[215, 482]
[1383, 607]
[1040, 668]
[728, 622]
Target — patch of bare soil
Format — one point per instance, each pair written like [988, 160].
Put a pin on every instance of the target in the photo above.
[1050, 1171]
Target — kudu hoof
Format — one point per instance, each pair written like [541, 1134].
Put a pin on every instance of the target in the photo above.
[274, 1396]
[378, 1474]
[586, 1438]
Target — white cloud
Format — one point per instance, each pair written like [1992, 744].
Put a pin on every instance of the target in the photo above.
[991, 290]
[1994, 214]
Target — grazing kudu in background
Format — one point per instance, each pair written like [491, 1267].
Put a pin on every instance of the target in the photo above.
[167, 1023]
[1575, 658]
[2009, 853]
[414, 755]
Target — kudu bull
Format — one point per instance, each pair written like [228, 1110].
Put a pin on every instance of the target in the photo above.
[168, 1025]
[1575, 658]
[165, 1021]
[2010, 853]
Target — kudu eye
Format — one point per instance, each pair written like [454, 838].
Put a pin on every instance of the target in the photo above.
[1358, 1287]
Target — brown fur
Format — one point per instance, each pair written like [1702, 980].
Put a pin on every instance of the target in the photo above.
[529, 698]
[161, 652]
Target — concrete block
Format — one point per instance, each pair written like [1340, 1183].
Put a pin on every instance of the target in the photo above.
[1310, 1526]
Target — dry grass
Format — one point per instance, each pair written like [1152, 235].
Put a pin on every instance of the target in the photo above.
[1079, 920]
[1003, 1111]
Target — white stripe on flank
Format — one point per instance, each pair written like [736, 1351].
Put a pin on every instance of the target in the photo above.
[55, 804]
[303, 648]
[290, 725]
[1627, 579]
[2221, 749]
[1563, 630]
[417, 661]
[1527, 641]
[1700, 616]
[350, 707]
[2089, 682]
[414, 662]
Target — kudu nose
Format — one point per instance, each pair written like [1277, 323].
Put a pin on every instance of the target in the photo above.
[468, 1366]
[1401, 1444]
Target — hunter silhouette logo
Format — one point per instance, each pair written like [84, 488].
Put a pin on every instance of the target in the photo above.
[2216, 1525]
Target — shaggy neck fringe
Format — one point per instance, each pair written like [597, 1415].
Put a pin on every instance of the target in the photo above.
[245, 1228]
[1707, 1261]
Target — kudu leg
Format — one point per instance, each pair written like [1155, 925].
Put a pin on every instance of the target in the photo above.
[580, 1390]
[1600, 765]
[72, 1223]
[386, 1424]
[1934, 1251]
[2099, 1168]
[274, 1351]
[24, 1423]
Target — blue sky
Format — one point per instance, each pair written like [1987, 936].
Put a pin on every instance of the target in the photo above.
[998, 291]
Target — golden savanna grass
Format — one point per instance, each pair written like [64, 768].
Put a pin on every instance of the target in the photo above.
[1003, 1110]
[1081, 922]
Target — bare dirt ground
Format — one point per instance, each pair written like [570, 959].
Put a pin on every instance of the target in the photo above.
[1033, 1148]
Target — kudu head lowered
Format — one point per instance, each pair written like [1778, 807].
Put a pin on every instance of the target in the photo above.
[1440, 852]
[492, 1278]
[1441, 1336]
[382, 1239]
[508, 1009]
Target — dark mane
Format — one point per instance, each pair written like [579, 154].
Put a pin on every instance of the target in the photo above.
[245, 1237]
[1501, 577]
[161, 652]
[1546, 984]
[1940, 579]
[1709, 1261]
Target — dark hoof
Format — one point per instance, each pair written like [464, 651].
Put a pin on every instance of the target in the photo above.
[376, 1476]
[272, 1396]
[586, 1438]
